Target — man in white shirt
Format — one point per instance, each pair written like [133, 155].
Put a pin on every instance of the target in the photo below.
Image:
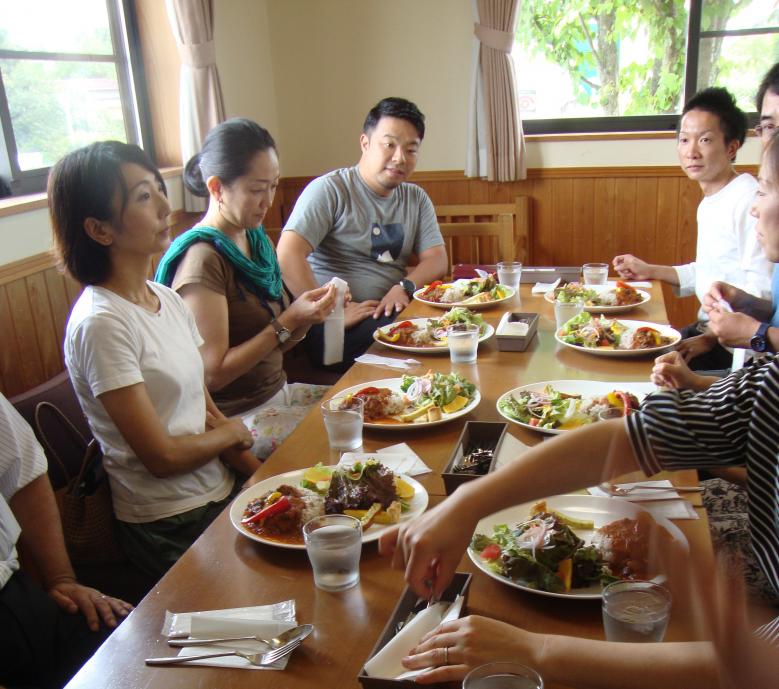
[711, 131]
[47, 630]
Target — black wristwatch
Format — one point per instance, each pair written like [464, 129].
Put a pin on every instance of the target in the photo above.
[408, 286]
[282, 333]
[759, 341]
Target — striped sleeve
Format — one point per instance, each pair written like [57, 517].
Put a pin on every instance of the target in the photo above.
[21, 456]
[769, 632]
[716, 428]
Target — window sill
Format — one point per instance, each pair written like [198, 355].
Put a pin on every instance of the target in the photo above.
[23, 204]
[599, 136]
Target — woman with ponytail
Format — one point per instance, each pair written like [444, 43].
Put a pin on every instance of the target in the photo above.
[225, 269]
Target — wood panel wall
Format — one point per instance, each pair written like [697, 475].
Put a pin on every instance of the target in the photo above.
[578, 215]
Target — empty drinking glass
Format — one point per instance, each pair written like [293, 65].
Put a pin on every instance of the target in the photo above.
[595, 273]
[343, 421]
[333, 544]
[635, 610]
[503, 675]
[509, 274]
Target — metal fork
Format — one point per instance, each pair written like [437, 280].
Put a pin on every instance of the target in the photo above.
[267, 658]
[614, 489]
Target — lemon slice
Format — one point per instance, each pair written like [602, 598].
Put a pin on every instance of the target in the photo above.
[317, 474]
[455, 405]
[403, 490]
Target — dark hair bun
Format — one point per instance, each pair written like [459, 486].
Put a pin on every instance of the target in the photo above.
[193, 177]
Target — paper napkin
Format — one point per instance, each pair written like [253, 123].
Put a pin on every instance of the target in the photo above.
[334, 326]
[510, 449]
[544, 287]
[506, 327]
[376, 360]
[400, 458]
[660, 503]
[386, 663]
[263, 620]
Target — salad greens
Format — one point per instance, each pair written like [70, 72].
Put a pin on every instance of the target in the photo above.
[439, 388]
[542, 553]
[459, 314]
[585, 330]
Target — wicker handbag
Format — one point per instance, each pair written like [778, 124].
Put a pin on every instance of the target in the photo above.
[85, 500]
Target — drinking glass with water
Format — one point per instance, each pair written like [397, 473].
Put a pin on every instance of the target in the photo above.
[503, 675]
[343, 421]
[463, 341]
[635, 610]
[510, 273]
[595, 273]
[333, 544]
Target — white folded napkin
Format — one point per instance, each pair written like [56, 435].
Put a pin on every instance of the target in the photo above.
[401, 459]
[660, 503]
[544, 287]
[265, 620]
[334, 326]
[386, 663]
[641, 495]
[376, 360]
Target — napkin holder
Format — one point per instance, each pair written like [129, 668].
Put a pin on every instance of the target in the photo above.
[518, 343]
[459, 586]
[475, 435]
[533, 274]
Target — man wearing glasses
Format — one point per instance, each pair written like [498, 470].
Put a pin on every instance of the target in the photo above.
[755, 324]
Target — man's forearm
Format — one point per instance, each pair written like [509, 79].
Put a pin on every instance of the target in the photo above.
[432, 265]
[36, 511]
[292, 252]
[665, 274]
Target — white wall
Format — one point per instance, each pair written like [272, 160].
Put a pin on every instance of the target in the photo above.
[309, 70]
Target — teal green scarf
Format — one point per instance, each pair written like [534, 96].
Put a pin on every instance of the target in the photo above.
[261, 274]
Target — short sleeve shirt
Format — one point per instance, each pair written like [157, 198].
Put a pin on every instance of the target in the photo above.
[203, 265]
[359, 236]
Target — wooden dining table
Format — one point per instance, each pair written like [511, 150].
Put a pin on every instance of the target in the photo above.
[225, 569]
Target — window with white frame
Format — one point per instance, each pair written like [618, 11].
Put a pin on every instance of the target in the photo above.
[66, 80]
[629, 65]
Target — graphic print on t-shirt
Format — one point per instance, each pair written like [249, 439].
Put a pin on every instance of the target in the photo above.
[386, 241]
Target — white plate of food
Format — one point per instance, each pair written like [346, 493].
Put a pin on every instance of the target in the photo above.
[427, 335]
[613, 337]
[616, 298]
[474, 293]
[290, 534]
[388, 407]
[582, 508]
[562, 405]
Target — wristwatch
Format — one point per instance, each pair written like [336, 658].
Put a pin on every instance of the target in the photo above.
[282, 333]
[759, 341]
[408, 286]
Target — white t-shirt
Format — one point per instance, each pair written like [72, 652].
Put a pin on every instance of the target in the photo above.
[111, 343]
[727, 247]
[21, 461]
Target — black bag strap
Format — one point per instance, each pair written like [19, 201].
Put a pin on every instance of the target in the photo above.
[89, 449]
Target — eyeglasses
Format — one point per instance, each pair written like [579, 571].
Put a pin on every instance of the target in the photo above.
[766, 130]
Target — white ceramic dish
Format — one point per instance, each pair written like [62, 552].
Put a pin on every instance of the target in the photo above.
[441, 348]
[585, 388]
[394, 385]
[645, 297]
[599, 510]
[417, 505]
[473, 305]
[666, 330]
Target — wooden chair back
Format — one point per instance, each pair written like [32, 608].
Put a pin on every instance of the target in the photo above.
[479, 213]
[479, 242]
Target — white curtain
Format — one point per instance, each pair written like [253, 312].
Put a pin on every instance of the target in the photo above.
[201, 106]
[496, 145]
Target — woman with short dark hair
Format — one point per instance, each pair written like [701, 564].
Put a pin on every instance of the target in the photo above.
[131, 348]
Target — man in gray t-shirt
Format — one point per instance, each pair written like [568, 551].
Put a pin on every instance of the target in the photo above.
[362, 224]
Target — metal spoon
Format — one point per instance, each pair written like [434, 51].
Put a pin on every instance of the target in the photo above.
[296, 633]
[613, 489]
